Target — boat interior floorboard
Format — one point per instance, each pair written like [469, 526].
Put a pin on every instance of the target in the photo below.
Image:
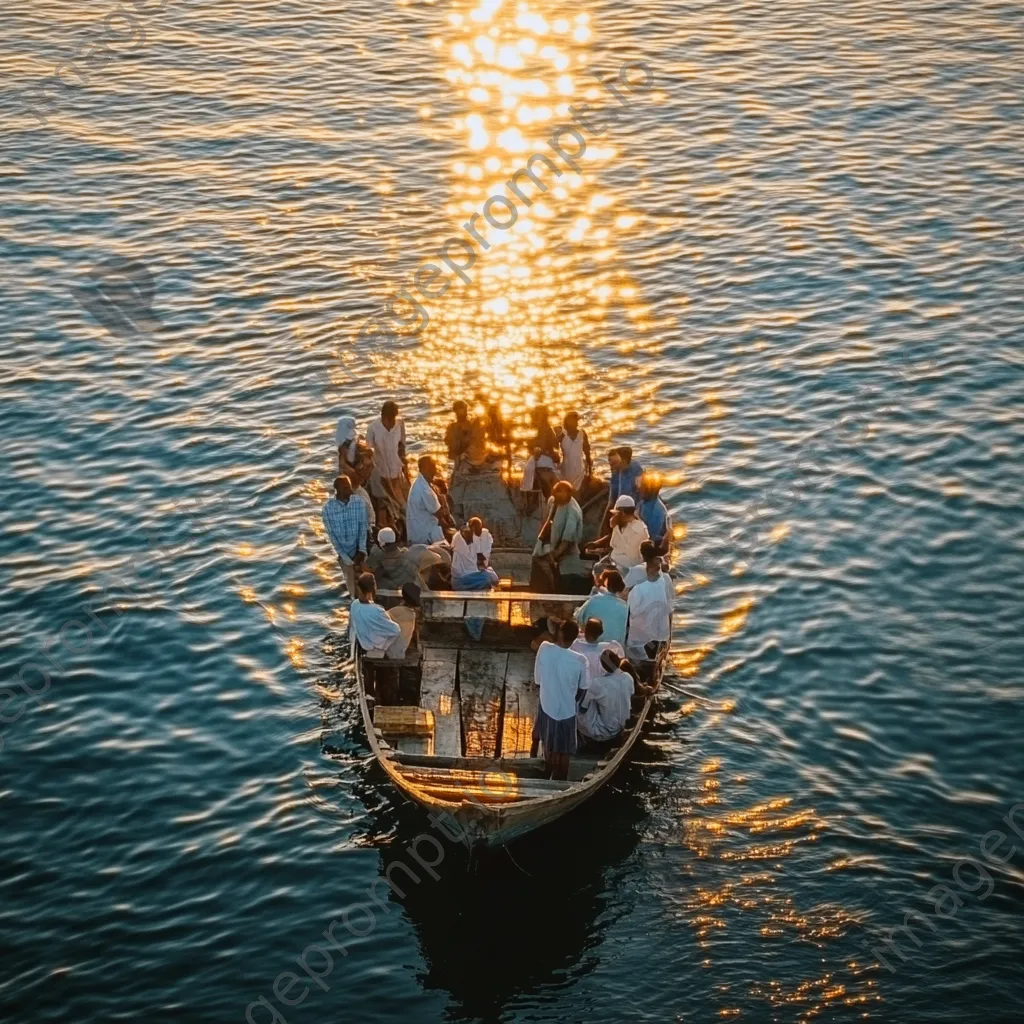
[437, 693]
[520, 707]
[481, 681]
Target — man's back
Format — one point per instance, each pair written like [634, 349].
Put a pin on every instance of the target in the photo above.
[559, 673]
[393, 569]
[373, 629]
[604, 710]
[649, 613]
[611, 610]
[626, 541]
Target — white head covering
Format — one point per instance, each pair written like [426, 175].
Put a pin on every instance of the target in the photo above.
[346, 430]
[625, 501]
[386, 536]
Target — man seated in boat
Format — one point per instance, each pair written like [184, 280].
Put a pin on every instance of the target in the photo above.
[561, 676]
[653, 512]
[394, 566]
[423, 511]
[605, 706]
[650, 614]
[608, 605]
[638, 574]
[406, 615]
[591, 646]
[471, 550]
[348, 527]
[621, 547]
[374, 629]
[466, 437]
[556, 567]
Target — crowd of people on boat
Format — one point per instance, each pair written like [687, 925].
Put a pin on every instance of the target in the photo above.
[394, 533]
[377, 503]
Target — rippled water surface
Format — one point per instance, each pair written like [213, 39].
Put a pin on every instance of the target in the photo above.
[789, 273]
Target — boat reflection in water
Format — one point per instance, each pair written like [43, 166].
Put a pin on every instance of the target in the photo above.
[537, 313]
[486, 934]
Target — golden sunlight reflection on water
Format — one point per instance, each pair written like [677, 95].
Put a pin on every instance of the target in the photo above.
[539, 299]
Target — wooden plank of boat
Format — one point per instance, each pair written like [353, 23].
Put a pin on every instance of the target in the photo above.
[437, 694]
[481, 680]
[484, 609]
[449, 609]
[520, 705]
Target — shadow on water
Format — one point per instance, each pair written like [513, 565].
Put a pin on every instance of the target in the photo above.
[514, 921]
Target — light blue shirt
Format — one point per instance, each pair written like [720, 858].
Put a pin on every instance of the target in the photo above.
[610, 610]
[373, 629]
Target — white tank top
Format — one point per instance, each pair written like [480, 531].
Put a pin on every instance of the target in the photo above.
[573, 469]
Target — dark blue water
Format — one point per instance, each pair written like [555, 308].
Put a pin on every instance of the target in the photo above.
[790, 277]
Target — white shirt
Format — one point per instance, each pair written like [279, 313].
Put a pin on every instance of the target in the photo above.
[573, 468]
[605, 707]
[420, 523]
[650, 616]
[482, 545]
[592, 652]
[373, 629]
[463, 556]
[638, 575]
[626, 543]
[387, 462]
[559, 673]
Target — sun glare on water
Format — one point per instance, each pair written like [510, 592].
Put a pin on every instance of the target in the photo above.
[531, 326]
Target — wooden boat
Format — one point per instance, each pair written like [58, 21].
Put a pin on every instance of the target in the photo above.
[452, 724]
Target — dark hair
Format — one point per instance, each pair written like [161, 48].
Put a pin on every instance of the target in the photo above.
[568, 631]
[593, 628]
[389, 408]
[613, 581]
[626, 452]
[562, 486]
[422, 461]
[648, 549]
[366, 583]
[612, 657]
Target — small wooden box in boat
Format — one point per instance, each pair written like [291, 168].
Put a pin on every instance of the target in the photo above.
[402, 720]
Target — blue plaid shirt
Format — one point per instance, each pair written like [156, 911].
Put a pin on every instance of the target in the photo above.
[347, 525]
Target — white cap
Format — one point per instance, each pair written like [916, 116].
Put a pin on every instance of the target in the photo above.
[386, 536]
[625, 501]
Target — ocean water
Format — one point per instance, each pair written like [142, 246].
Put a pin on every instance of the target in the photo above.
[787, 271]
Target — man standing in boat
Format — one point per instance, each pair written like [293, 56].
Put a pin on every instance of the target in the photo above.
[348, 526]
[561, 677]
[653, 512]
[389, 481]
[577, 467]
[650, 614]
[423, 513]
[625, 478]
[556, 565]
